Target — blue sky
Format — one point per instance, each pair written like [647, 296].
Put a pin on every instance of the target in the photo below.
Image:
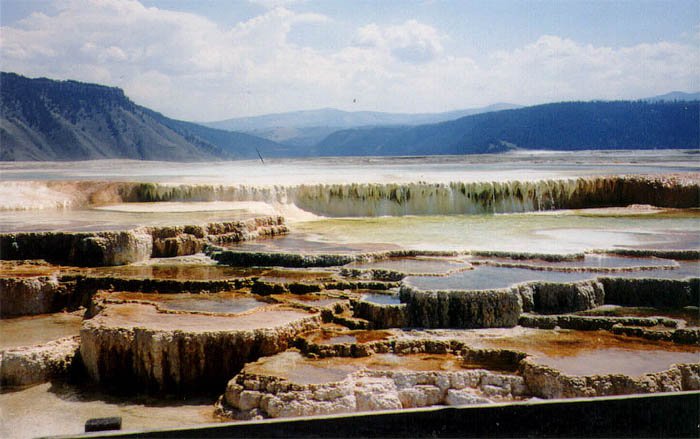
[213, 59]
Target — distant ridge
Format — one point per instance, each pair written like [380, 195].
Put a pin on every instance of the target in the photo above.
[675, 96]
[310, 126]
[566, 126]
[345, 119]
[43, 119]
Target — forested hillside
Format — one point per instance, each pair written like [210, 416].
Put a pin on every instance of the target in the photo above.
[566, 126]
[42, 119]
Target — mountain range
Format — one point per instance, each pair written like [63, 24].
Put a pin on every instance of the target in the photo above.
[674, 96]
[311, 126]
[559, 126]
[43, 119]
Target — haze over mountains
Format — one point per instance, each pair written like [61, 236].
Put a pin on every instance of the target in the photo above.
[42, 119]
[311, 126]
[560, 126]
[674, 96]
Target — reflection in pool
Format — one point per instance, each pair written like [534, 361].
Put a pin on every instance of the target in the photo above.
[216, 303]
[587, 352]
[31, 330]
[486, 277]
[381, 298]
[522, 232]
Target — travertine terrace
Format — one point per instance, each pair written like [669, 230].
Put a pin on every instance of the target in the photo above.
[218, 309]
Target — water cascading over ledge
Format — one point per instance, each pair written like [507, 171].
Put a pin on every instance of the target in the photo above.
[341, 200]
[379, 199]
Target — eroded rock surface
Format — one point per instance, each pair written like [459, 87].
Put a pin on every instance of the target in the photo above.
[136, 340]
[400, 372]
[382, 316]
[125, 247]
[80, 248]
[191, 239]
[552, 298]
[35, 364]
[592, 323]
[286, 385]
[547, 382]
[272, 259]
[134, 344]
[461, 309]
[652, 292]
[32, 295]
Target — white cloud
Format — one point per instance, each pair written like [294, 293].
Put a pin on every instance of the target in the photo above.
[410, 42]
[276, 3]
[189, 67]
[554, 68]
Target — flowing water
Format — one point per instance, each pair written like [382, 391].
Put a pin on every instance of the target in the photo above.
[502, 202]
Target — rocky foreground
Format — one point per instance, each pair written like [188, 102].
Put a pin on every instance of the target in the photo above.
[174, 311]
[89, 249]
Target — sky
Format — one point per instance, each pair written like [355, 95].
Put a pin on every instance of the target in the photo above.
[210, 60]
